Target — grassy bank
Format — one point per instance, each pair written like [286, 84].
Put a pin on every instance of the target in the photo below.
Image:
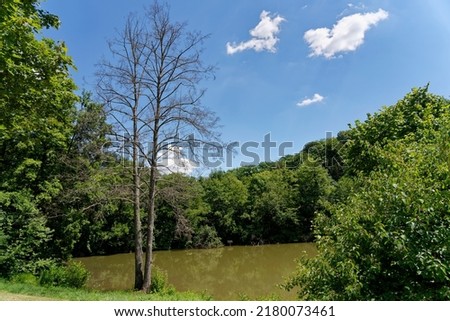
[23, 291]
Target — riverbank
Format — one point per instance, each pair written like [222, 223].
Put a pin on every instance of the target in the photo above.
[13, 291]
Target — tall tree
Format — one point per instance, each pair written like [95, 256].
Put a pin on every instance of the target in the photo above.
[152, 88]
[36, 96]
[37, 105]
[121, 87]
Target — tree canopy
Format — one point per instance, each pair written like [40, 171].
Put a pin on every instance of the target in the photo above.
[389, 239]
[37, 105]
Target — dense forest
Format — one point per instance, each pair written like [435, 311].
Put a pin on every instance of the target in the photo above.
[375, 198]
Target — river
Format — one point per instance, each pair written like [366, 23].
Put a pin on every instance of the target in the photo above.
[226, 273]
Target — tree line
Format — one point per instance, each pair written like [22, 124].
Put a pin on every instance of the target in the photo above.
[374, 198]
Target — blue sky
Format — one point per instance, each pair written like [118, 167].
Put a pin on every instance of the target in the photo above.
[293, 68]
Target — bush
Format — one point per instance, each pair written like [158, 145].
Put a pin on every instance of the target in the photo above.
[25, 278]
[205, 238]
[160, 282]
[23, 234]
[72, 275]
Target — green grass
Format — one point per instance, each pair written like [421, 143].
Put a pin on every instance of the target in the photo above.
[68, 294]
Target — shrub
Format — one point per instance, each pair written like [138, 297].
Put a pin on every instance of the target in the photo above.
[206, 237]
[25, 278]
[23, 234]
[160, 282]
[72, 275]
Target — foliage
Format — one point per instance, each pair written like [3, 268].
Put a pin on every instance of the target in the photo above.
[36, 101]
[205, 237]
[36, 112]
[160, 282]
[313, 187]
[226, 197]
[25, 278]
[417, 111]
[273, 216]
[23, 236]
[329, 152]
[72, 275]
[91, 215]
[178, 196]
[390, 240]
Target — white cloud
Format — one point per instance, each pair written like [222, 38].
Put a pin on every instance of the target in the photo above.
[264, 35]
[172, 160]
[308, 101]
[347, 34]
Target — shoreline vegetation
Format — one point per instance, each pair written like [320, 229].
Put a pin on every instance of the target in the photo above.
[18, 291]
[22, 291]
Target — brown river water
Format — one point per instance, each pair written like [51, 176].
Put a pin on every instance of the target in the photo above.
[226, 273]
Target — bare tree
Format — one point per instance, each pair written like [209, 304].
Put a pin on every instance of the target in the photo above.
[120, 87]
[151, 86]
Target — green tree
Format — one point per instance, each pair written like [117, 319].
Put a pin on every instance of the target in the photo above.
[226, 197]
[312, 187]
[272, 207]
[90, 174]
[178, 201]
[418, 110]
[390, 240]
[36, 99]
[24, 236]
[36, 113]
[329, 152]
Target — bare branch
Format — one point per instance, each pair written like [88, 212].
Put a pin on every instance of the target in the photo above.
[150, 87]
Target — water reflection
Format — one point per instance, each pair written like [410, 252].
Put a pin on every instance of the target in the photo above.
[225, 273]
